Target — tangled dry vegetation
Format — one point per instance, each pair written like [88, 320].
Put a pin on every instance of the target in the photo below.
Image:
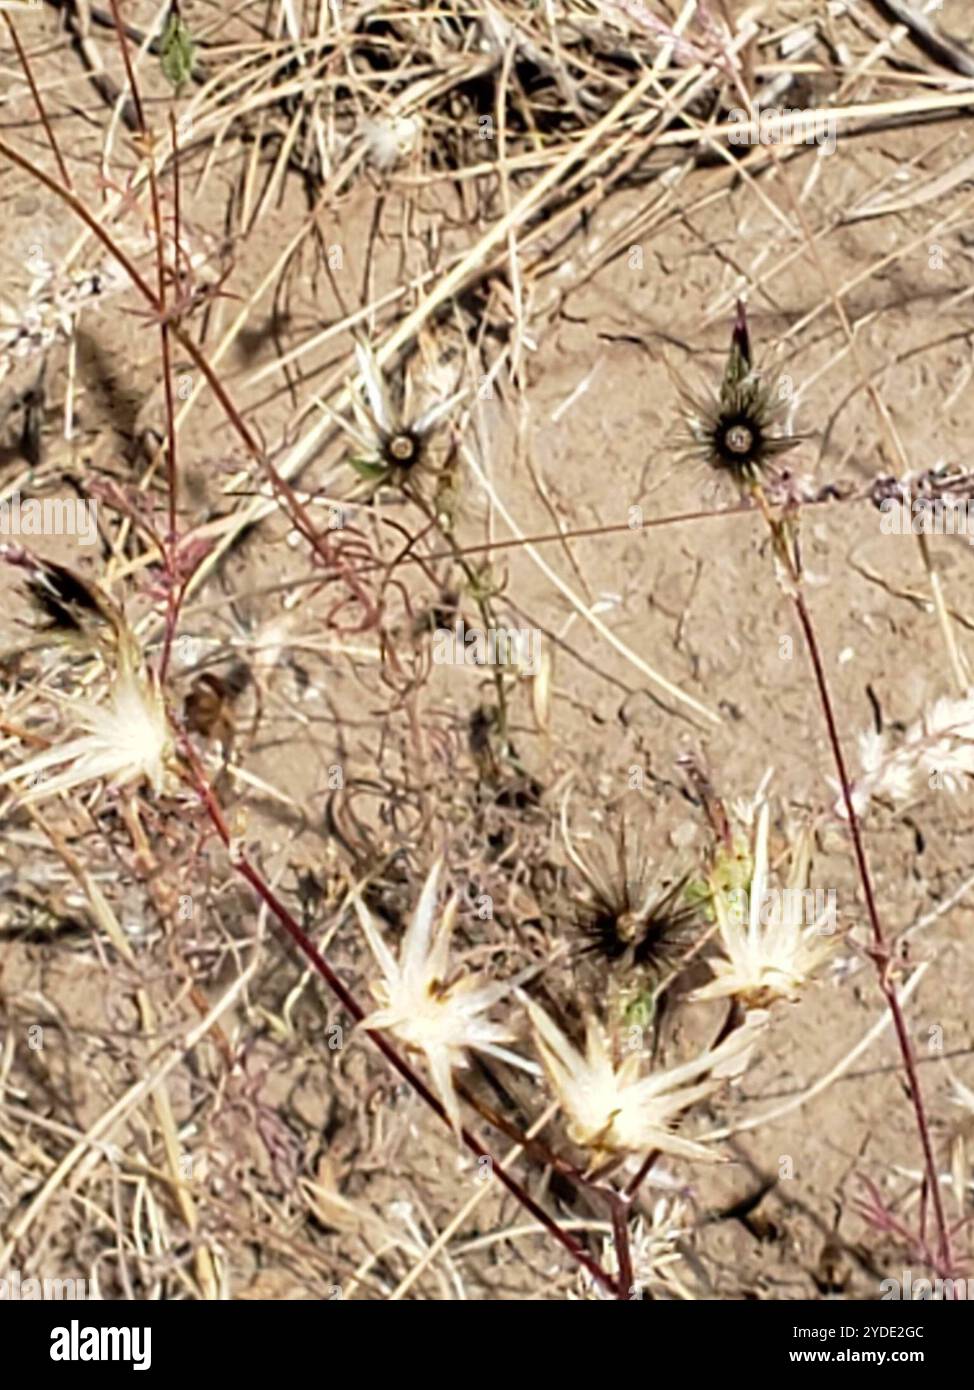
[623, 950]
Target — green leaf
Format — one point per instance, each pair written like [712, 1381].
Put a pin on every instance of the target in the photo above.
[698, 893]
[178, 51]
[639, 1012]
[372, 472]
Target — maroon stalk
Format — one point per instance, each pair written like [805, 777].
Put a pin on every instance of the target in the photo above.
[351, 1005]
[35, 93]
[880, 952]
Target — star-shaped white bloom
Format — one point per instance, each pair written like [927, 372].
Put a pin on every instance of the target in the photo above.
[427, 1010]
[613, 1110]
[771, 949]
[126, 740]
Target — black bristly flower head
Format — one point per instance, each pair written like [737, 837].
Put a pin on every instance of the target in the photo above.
[648, 931]
[630, 917]
[75, 614]
[736, 429]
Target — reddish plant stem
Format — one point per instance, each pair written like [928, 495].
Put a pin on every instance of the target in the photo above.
[130, 72]
[173, 596]
[640, 1176]
[282, 488]
[176, 589]
[619, 1203]
[535, 1147]
[880, 953]
[35, 93]
[578, 532]
[619, 1211]
[172, 474]
[302, 522]
[351, 1005]
[733, 1019]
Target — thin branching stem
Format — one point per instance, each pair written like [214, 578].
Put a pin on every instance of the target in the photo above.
[880, 953]
[38, 102]
[316, 960]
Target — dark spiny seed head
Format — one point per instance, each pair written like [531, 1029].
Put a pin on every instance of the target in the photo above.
[738, 441]
[652, 939]
[64, 600]
[56, 613]
[604, 936]
[733, 431]
[402, 450]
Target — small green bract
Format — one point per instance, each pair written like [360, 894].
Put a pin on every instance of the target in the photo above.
[178, 51]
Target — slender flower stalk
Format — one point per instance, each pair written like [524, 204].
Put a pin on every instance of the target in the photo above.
[880, 949]
[789, 574]
[395, 1059]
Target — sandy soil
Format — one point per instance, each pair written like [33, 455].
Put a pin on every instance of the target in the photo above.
[276, 1125]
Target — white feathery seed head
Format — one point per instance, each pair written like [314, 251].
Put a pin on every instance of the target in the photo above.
[778, 939]
[126, 740]
[614, 1110]
[387, 434]
[427, 1010]
[391, 138]
[937, 751]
